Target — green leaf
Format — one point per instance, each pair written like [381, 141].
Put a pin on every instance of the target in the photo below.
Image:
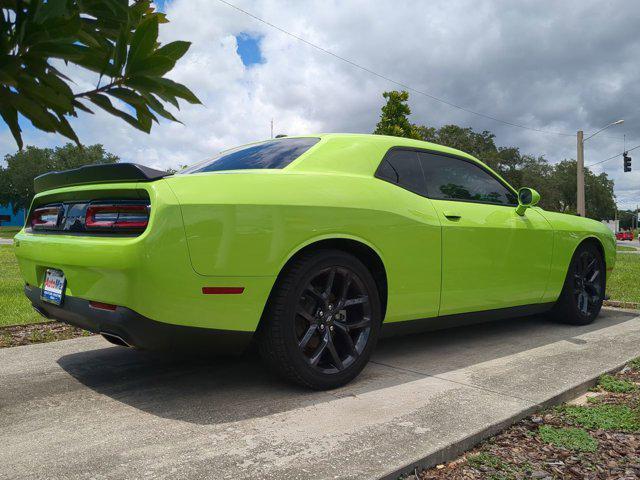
[44, 95]
[81, 106]
[126, 95]
[103, 102]
[96, 62]
[174, 50]
[65, 51]
[169, 98]
[51, 9]
[120, 49]
[10, 116]
[153, 66]
[35, 112]
[149, 86]
[52, 80]
[65, 129]
[178, 90]
[145, 117]
[155, 104]
[166, 86]
[143, 42]
[89, 39]
[8, 72]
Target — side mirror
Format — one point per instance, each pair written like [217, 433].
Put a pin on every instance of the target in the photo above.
[527, 197]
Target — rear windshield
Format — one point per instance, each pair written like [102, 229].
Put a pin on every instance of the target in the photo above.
[270, 154]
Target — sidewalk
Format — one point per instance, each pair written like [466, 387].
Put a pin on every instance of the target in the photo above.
[80, 408]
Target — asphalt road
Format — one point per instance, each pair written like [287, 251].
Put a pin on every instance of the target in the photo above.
[628, 243]
[81, 408]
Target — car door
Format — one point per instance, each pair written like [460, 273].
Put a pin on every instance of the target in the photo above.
[491, 257]
[412, 253]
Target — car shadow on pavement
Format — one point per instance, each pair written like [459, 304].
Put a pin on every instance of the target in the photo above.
[227, 389]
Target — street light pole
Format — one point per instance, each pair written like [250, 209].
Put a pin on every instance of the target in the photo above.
[580, 203]
[580, 178]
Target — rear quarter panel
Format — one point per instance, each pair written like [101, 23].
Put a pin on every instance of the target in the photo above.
[150, 273]
[251, 224]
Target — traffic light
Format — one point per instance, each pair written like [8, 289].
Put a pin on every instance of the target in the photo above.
[627, 162]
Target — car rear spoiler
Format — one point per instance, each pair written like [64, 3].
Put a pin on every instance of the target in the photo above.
[103, 173]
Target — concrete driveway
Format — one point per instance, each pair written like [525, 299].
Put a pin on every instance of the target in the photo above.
[83, 409]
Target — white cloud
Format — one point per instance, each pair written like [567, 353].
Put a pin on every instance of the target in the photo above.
[553, 65]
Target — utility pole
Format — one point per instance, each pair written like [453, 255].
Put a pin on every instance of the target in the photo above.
[580, 204]
[580, 178]
[272, 128]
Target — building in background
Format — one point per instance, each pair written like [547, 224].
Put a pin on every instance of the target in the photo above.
[8, 218]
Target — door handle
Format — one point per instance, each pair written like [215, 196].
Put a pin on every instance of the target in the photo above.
[452, 216]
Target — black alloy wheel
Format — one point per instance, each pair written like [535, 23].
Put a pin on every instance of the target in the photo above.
[322, 320]
[587, 285]
[584, 287]
[333, 319]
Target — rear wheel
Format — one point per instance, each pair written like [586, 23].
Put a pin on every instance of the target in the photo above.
[322, 321]
[583, 292]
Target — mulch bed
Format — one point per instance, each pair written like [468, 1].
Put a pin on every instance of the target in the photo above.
[520, 453]
[16, 335]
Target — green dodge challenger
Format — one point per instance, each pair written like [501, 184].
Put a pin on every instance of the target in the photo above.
[312, 247]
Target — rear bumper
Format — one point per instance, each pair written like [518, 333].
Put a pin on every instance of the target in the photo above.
[137, 330]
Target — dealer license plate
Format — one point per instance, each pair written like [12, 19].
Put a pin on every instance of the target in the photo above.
[54, 283]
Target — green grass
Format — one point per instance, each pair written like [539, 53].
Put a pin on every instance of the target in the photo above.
[570, 438]
[622, 248]
[614, 385]
[605, 416]
[484, 459]
[14, 306]
[624, 284]
[8, 232]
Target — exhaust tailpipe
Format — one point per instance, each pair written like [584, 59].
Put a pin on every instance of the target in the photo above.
[115, 339]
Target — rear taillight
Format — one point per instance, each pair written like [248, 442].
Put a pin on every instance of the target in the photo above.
[44, 218]
[117, 216]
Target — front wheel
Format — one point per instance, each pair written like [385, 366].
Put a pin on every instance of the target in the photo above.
[583, 292]
[322, 321]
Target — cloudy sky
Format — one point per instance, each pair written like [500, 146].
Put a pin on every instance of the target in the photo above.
[549, 65]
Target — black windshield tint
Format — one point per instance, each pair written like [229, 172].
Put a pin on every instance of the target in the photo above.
[271, 154]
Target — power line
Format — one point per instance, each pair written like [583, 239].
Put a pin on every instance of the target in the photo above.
[612, 157]
[400, 84]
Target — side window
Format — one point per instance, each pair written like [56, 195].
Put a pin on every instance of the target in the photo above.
[450, 178]
[402, 167]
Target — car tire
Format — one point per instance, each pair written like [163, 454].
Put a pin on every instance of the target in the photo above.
[322, 320]
[584, 287]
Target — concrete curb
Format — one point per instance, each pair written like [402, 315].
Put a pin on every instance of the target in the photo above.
[454, 450]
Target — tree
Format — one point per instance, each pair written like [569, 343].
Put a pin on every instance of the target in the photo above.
[394, 117]
[116, 40]
[16, 179]
[555, 183]
[599, 196]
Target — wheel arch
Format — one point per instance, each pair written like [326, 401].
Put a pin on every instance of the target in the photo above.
[359, 248]
[596, 242]
[593, 241]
